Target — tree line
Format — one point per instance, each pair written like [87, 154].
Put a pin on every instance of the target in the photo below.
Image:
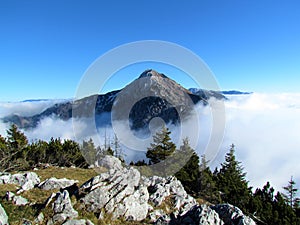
[226, 184]
[17, 154]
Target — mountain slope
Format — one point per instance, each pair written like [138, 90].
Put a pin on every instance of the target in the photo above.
[151, 95]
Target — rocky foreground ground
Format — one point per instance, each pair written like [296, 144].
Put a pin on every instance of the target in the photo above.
[120, 194]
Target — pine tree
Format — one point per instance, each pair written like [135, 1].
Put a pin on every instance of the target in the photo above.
[162, 146]
[291, 194]
[232, 183]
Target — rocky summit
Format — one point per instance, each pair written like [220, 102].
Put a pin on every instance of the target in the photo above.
[121, 193]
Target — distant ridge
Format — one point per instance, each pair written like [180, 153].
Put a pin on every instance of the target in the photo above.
[230, 92]
[234, 92]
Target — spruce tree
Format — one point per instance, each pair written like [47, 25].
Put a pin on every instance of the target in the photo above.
[162, 146]
[232, 182]
[291, 194]
[16, 138]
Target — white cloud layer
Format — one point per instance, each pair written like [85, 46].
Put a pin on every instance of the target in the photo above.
[264, 128]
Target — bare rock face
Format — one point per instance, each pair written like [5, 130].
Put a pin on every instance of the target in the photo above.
[62, 208]
[117, 192]
[124, 193]
[3, 216]
[160, 188]
[54, 183]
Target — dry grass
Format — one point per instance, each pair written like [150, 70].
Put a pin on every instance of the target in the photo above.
[79, 174]
[201, 201]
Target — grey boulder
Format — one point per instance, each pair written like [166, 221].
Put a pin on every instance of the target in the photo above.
[78, 222]
[26, 180]
[109, 162]
[54, 183]
[17, 200]
[62, 208]
[3, 216]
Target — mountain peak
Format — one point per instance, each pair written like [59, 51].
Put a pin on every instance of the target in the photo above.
[152, 73]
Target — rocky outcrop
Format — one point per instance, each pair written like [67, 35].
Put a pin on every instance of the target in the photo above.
[160, 188]
[17, 200]
[122, 192]
[203, 215]
[3, 216]
[223, 214]
[118, 192]
[125, 193]
[26, 181]
[232, 215]
[62, 208]
[54, 183]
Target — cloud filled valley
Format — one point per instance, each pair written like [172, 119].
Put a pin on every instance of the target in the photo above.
[263, 127]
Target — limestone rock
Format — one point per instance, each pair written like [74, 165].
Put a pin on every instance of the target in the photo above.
[135, 206]
[17, 200]
[54, 183]
[160, 188]
[62, 208]
[3, 216]
[232, 215]
[5, 178]
[202, 215]
[78, 222]
[109, 162]
[26, 180]
[117, 192]
[197, 215]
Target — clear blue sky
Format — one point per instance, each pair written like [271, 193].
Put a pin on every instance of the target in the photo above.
[46, 46]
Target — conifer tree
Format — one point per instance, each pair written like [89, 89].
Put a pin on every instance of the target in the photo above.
[189, 173]
[89, 151]
[162, 146]
[207, 187]
[291, 194]
[16, 138]
[232, 183]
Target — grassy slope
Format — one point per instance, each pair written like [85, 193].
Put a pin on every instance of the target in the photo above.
[17, 214]
[38, 196]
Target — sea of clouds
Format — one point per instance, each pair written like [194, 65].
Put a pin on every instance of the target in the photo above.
[263, 127]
